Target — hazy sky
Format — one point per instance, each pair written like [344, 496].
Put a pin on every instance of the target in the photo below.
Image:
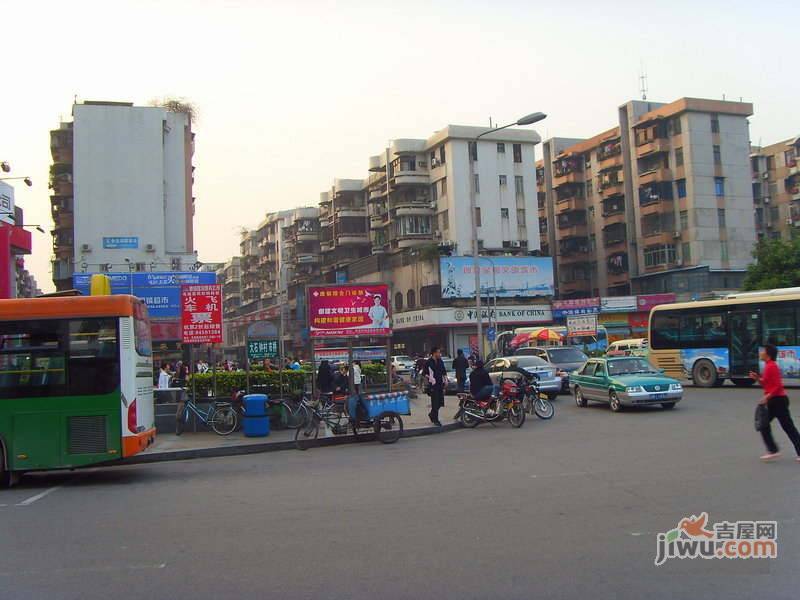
[293, 94]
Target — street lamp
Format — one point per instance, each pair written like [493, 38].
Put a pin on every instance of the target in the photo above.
[526, 120]
[28, 181]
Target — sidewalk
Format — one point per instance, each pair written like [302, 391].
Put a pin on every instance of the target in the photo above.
[207, 444]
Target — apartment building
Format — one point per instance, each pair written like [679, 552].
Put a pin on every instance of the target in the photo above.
[660, 203]
[229, 276]
[776, 189]
[122, 190]
[344, 229]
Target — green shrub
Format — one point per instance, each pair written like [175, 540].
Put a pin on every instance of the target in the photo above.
[374, 372]
[229, 381]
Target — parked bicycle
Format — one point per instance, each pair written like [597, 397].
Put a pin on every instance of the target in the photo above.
[290, 413]
[220, 417]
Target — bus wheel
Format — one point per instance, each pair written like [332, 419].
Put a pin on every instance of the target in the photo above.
[704, 373]
[743, 382]
[7, 478]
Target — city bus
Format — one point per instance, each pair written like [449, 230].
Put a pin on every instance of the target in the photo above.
[711, 341]
[588, 343]
[76, 382]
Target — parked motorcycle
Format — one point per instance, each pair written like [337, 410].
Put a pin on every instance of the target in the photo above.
[508, 403]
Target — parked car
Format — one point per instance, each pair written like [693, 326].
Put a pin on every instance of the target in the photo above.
[452, 384]
[632, 347]
[402, 364]
[506, 368]
[624, 381]
[566, 359]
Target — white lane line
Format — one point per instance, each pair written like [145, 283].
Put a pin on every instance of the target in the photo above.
[77, 570]
[573, 474]
[39, 496]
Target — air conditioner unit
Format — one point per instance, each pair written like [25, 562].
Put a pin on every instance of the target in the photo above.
[676, 234]
[789, 220]
[434, 162]
[150, 248]
[86, 247]
[515, 244]
[765, 175]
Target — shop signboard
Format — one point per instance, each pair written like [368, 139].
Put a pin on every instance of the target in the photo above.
[356, 310]
[514, 277]
[201, 314]
[576, 306]
[618, 304]
[646, 302]
[340, 354]
[453, 317]
[121, 242]
[581, 325]
[261, 349]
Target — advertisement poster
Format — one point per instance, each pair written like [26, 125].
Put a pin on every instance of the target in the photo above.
[578, 306]
[514, 277]
[349, 311]
[581, 325]
[788, 362]
[161, 291]
[201, 314]
[718, 356]
[646, 302]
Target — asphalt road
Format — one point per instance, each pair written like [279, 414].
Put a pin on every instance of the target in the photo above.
[566, 509]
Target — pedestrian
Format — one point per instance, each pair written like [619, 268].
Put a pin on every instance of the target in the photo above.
[325, 378]
[460, 364]
[437, 378]
[267, 365]
[164, 377]
[777, 403]
[357, 376]
[341, 384]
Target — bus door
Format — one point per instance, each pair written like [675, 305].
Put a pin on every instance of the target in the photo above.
[744, 342]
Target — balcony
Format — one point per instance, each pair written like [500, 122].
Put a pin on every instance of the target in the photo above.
[376, 194]
[352, 238]
[617, 264]
[614, 234]
[307, 258]
[570, 177]
[652, 147]
[62, 269]
[574, 288]
[326, 246]
[409, 240]
[376, 222]
[655, 175]
[574, 246]
[659, 257]
[614, 205]
[307, 236]
[413, 208]
[609, 154]
[351, 212]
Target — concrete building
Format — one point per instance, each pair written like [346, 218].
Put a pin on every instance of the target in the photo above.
[344, 232]
[776, 189]
[15, 242]
[122, 190]
[660, 203]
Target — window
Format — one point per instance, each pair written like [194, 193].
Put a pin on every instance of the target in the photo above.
[714, 124]
[721, 217]
[719, 186]
[444, 186]
[521, 218]
[430, 295]
[441, 154]
[434, 193]
[413, 225]
[723, 245]
[503, 180]
[142, 335]
[686, 253]
[473, 150]
[779, 326]
[688, 330]
[477, 183]
[519, 186]
[477, 216]
[717, 155]
[678, 157]
[588, 369]
[411, 299]
[676, 125]
[398, 301]
[663, 254]
[93, 356]
[684, 220]
[503, 213]
[444, 220]
[517, 153]
[501, 148]
[665, 331]
[681, 185]
[589, 188]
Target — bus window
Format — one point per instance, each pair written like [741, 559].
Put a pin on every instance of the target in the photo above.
[665, 331]
[691, 331]
[715, 331]
[32, 361]
[93, 356]
[779, 326]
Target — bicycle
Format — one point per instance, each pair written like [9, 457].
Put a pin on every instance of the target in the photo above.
[291, 413]
[220, 417]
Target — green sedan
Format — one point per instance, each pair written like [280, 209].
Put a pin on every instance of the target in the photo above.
[624, 381]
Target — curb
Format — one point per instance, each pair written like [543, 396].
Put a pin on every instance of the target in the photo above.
[213, 452]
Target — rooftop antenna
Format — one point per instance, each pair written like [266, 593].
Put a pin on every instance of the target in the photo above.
[643, 83]
[490, 122]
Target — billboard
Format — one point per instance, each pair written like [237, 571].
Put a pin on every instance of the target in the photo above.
[201, 314]
[161, 291]
[581, 325]
[648, 301]
[577, 306]
[620, 304]
[514, 276]
[120, 242]
[349, 311]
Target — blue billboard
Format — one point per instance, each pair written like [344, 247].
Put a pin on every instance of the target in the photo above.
[120, 242]
[160, 291]
[513, 276]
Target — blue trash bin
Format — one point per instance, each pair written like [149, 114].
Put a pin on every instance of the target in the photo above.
[256, 421]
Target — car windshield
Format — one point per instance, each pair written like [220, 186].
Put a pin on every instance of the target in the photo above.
[448, 363]
[566, 355]
[527, 362]
[629, 365]
[402, 358]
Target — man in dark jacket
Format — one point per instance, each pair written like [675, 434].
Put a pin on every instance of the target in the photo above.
[480, 384]
[437, 378]
[460, 365]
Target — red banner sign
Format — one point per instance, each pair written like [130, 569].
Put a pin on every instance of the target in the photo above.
[349, 311]
[646, 302]
[201, 314]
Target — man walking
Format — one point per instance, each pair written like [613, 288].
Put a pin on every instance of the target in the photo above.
[460, 364]
[357, 376]
[777, 403]
[437, 378]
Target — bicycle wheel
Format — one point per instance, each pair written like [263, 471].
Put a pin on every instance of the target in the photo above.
[224, 420]
[516, 415]
[543, 408]
[306, 436]
[293, 416]
[388, 427]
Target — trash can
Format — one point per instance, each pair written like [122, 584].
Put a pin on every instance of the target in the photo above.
[256, 421]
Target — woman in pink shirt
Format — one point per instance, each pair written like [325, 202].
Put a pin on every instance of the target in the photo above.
[777, 403]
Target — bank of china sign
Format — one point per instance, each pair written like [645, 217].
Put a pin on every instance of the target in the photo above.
[468, 316]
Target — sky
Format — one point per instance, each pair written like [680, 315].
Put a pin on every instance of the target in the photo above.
[292, 94]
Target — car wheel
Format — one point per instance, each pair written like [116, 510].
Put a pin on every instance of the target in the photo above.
[704, 373]
[614, 402]
[579, 399]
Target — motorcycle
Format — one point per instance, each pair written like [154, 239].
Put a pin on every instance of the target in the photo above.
[536, 401]
[506, 404]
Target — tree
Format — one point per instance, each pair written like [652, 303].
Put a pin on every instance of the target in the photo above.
[177, 105]
[777, 265]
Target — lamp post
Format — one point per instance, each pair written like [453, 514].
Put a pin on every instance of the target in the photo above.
[526, 120]
[27, 180]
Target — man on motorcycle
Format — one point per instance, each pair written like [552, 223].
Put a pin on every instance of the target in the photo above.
[480, 384]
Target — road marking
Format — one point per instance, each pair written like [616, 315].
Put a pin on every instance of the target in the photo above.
[39, 496]
[572, 474]
[70, 571]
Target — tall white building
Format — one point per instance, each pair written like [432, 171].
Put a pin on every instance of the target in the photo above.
[122, 182]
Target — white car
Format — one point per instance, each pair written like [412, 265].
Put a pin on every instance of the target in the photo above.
[402, 364]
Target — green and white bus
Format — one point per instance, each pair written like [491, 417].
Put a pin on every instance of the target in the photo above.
[76, 382]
